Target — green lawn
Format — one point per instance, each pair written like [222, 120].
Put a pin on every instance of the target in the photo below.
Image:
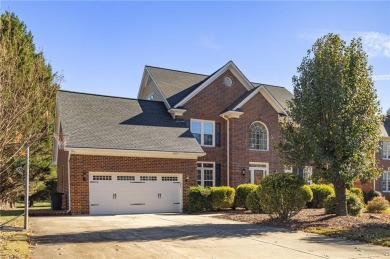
[39, 205]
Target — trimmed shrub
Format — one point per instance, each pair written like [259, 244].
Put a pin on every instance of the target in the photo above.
[371, 194]
[283, 195]
[320, 192]
[222, 197]
[198, 199]
[253, 202]
[242, 192]
[358, 192]
[354, 204]
[378, 205]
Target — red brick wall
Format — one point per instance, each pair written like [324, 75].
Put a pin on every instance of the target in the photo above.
[80, 164]
[214, 100]
[208, 105]
[256, 109]
[384, 164]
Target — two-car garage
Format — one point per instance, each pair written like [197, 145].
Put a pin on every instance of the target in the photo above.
[123, 193]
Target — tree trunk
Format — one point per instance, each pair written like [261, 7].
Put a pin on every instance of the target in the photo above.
[341, 200]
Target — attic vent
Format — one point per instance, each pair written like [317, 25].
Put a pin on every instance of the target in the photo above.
[227, 81]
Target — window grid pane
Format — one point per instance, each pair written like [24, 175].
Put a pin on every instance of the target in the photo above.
[386, 150]
[203, 132]
[258, 138]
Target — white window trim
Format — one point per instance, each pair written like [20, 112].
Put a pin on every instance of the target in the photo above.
[258, 166]
[306, 171]
[267, 136]
[387, 173]
[150, 96]
[202, 131]
[387, 144]
[202, 171]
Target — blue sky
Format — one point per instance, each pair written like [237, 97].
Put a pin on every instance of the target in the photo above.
[102, 47]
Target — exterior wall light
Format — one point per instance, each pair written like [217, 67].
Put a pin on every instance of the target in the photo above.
[85, 176]
[243, 172]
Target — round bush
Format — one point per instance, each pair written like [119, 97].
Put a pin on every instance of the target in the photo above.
[354, 204]
[198, 199]
[378, 205]
[358, 192]
[371, 194]
[253, 202]
[242, 192]
[222, 197]
[320, 192]
[283, 195]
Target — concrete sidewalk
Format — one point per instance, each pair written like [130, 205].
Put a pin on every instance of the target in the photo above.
[183, 236]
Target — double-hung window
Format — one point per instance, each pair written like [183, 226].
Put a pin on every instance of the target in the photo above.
[386, 150]
[205, 173]
[204, 132]
[386, 181]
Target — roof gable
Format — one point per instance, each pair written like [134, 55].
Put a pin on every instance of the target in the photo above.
[235, 71]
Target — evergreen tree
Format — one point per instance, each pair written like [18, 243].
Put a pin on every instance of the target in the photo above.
[27, 99]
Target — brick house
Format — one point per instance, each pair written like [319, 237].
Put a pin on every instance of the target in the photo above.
[383, 156]
[141, 155]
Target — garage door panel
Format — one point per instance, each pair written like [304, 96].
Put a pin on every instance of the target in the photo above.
[118, 193]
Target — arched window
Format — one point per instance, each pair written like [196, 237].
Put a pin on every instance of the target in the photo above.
[258, 136]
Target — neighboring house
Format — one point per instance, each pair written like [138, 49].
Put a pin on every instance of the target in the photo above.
[142, 155]
[138, 155]
[383, 156]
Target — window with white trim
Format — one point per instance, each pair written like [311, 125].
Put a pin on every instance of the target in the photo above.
[386, 150]
[386, 181]
[258, 136]
[205, 173]
[307, 174]
[150, 97]
[288, 169]
[204, 132]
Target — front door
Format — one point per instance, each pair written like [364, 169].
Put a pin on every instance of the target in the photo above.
[257, 173]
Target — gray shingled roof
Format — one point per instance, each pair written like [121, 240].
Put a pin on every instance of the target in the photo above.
[103, 122]
[176, 85]
[385, 128]
[281, 95]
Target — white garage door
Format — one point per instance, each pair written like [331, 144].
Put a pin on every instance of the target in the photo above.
[123, 193]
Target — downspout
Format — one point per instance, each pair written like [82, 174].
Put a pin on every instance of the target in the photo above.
[68, 182]
[227, 150]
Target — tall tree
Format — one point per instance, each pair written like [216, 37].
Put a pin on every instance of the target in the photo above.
[334, 117]
[27, 96]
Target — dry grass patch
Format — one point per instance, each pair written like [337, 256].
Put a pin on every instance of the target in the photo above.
[13, 244]
[369, 228]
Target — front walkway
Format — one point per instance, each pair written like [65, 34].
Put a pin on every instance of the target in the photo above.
[182, 236]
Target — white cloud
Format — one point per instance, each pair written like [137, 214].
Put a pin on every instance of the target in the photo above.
[376, 44]
[208, 41]
[381, 77]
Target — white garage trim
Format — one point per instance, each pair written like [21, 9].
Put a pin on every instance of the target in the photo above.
[127, 193]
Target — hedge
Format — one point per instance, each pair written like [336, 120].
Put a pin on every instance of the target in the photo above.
[242, 193]
[320, 193]
[222, 197]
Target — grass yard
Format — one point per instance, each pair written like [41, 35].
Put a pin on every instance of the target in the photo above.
[13, 244]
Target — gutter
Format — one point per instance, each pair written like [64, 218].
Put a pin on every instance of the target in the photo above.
[227, 150]
[69, 207]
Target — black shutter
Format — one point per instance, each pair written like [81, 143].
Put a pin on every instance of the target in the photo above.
[300, 172]
[218, 175]
[217, 134]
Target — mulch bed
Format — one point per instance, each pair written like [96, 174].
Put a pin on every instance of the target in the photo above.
[313, 219]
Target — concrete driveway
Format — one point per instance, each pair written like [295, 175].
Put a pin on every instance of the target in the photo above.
[182, 236]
